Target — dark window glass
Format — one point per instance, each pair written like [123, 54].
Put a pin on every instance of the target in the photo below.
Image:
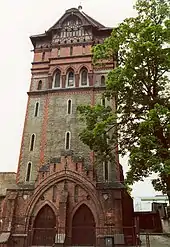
[28, 172]
[69, 107]
[68, 140]
[32, 142]
[103, 80]
[36, 109]
[106, 170]
[39, 85]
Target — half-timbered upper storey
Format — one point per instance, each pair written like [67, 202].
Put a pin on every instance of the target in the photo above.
[73, 27]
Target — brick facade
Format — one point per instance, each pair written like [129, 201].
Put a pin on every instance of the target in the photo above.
[50, 176]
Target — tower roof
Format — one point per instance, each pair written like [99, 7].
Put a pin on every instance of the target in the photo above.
[75, 12]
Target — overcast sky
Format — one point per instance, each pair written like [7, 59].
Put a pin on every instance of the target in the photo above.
[18, 20]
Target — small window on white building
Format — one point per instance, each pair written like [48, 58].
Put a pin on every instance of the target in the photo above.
[28, 172]
[69, 106]
[67, 140]
[32, 143]
[70, 78]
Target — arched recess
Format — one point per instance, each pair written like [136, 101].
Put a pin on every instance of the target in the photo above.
[84, 78]
[83, 227]
[44, 227]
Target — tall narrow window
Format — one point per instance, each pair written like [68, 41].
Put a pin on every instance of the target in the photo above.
[39, 85]
[67, 141]
[32, 142]
[106, 170]
[57, 79]
[102, 80]
[70, 79]
[76, 193]
[36, 109]
[28, 175]
[69, 106]
[71, 51]
[84, 77]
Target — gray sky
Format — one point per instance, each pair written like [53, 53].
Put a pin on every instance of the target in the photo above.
[18, 20]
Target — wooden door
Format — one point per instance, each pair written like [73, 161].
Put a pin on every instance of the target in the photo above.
[44, 228]
[83, 227]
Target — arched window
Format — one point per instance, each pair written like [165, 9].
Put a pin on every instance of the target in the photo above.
[67, 141]
[69, 106]
[39, 85]
[57, 79]
[28, 174]
[36, 109]
[103, 80]
[70, 79]
[84, 77]
[32, 142]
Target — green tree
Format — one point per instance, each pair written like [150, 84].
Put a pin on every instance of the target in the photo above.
[140, 85]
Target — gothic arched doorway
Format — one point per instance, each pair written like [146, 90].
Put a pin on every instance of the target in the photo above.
[44, 227]
[83, 227]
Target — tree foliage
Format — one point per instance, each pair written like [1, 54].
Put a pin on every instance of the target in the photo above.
[140, 84]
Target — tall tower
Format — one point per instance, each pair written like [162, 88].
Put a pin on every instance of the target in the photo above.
[63, 77]
[58, 200]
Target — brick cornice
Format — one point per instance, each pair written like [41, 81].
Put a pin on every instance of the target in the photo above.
[66, 90]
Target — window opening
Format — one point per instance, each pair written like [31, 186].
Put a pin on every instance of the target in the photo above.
[67, 140]
[69, 107]
[39, 85]
[57, 79]
[84, 76]
[28, 172]
[71, 79]
[32, 142]
[36, 109]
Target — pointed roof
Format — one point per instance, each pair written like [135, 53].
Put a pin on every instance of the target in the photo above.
[86, 21]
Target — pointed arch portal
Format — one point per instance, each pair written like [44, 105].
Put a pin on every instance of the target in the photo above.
[83, 227]
[44, 227]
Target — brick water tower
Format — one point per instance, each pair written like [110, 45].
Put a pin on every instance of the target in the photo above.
[59, 197]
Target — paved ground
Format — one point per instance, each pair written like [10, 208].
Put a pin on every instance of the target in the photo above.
[156, 241]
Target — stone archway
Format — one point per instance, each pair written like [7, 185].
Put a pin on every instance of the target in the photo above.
[83, 227]
[44, 227]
